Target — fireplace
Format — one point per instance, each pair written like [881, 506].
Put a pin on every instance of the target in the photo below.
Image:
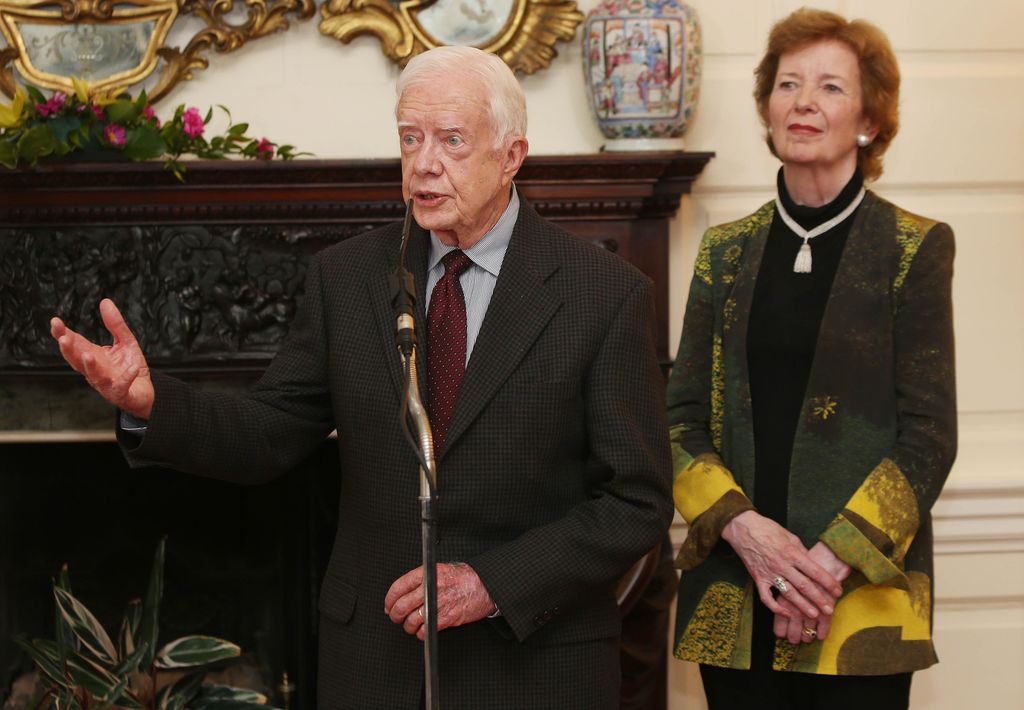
[209, 273]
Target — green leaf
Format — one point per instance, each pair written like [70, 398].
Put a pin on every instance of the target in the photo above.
[36, 142]
[66, 641]
[86, 627]
[9, 153]
[64, 125]
[35, 94]
[46, 657]
[209, 115]
[228, 692]
[238, 129]
[116, 693]
[144, 142]
[122, 111]
[130, 622]
[190, 651]
[93, 677]
[149, 625]
[131, 661]
[177, 695]
[66, 700]
[223, 697]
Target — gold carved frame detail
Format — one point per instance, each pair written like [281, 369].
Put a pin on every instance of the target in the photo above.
[152, 18]
[525, 40]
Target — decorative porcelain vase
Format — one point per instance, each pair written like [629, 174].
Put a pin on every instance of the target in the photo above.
[642, 63]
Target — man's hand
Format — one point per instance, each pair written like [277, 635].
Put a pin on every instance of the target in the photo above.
[769, 551]
[461, 598]
[118, 372]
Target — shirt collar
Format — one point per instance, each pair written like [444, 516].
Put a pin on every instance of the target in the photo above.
[489, 251]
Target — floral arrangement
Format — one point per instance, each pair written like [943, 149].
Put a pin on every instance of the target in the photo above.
[34, 127]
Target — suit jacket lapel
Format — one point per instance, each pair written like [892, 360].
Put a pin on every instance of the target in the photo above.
[522, 304]
[381, 298]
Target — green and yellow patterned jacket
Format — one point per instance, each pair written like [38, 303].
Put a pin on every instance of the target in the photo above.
[875, 443]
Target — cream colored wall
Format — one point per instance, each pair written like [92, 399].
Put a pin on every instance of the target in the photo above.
[959, 157]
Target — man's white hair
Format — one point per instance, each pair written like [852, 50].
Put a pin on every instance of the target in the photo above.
[505, 100]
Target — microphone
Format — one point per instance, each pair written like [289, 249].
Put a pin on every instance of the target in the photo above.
[403, 293]
[403, 297]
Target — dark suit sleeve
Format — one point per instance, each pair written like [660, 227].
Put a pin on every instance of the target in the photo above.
[252, 438]
[556, 566]
[877, 525]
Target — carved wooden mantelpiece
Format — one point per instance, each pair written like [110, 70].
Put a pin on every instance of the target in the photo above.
[208, 272]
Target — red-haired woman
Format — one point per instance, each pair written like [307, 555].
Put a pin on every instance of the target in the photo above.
[812, 404]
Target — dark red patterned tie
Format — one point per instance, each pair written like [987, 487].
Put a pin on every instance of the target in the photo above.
[446, 345]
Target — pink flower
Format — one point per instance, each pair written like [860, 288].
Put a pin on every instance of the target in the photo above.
[192, 123]
[265, 150]
[149, 114]
[53, 105]
[97, 111]
[114, 134]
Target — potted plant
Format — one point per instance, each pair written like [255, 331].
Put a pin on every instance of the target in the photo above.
[84, 668]
[105, 125]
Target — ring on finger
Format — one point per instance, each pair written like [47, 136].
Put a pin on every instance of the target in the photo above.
[780, 584]
[810, 633]
[420, 611]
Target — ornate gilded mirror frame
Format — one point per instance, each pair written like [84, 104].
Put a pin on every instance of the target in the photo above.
[118, 43]
[521, 32]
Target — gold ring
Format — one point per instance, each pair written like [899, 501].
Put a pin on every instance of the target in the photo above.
[810, 633]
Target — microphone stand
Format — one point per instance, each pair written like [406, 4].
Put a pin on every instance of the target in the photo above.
[403, 290]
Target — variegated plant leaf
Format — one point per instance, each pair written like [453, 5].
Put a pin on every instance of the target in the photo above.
[91, 676]
[148, 627]
[223, 697]
[126, 636]
[178, 694]
[86, 627]
[228, 692]
[66, 641]
[131, 662]
[66, 700]
[190, 651]
[46, 657]
[115, 694]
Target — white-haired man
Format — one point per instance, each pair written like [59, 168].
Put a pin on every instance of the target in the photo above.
[545, 398]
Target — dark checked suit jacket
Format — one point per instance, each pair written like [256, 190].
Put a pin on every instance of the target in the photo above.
[554, 479]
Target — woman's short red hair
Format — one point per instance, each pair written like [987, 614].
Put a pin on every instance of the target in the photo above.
[879, 73]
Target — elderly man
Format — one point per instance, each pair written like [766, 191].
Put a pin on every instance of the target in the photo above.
[545, 399]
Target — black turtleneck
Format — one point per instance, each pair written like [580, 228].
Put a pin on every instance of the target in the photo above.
[785, 316]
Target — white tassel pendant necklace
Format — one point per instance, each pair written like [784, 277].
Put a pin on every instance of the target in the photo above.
[802, 265]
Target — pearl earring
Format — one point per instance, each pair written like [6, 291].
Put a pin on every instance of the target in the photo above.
[863, 140]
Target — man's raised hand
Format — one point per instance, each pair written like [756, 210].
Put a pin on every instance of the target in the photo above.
[119, 372]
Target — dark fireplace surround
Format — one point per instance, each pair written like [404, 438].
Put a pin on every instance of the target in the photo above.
[208, 273]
